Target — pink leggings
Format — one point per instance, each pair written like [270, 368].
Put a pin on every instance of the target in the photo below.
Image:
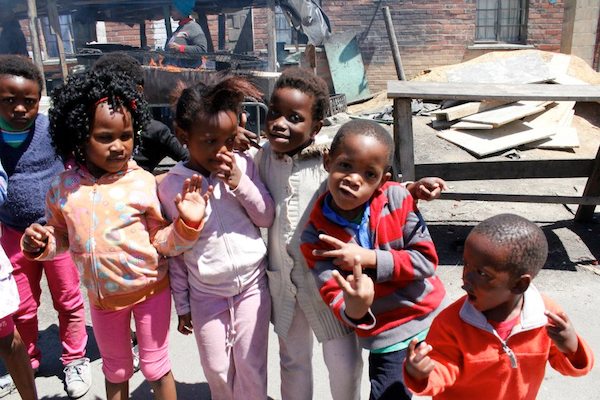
[112, 332]
[63, 282]
[7, 326]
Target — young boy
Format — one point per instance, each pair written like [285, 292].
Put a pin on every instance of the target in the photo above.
[31, 163]
[291, 166]
[364, 220]
[494, 342]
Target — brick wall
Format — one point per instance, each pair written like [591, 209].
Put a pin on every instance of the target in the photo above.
[430, 33]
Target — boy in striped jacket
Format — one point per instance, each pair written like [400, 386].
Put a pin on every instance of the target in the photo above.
[371, 254]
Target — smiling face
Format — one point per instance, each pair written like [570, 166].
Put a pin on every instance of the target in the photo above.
[19, 101]
[356, 169]
[111, 140]
[290, 124]
[491, 290]
[206, 139]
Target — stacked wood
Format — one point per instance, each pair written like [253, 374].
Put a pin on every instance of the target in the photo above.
[488, 127]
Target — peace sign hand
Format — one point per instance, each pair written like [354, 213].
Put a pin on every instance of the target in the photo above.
[561, 332]
[358, 289]
[344, 254]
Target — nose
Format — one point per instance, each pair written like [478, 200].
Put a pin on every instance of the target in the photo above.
[20, 108]
[278, 123]
[116, 146]
[352, 180]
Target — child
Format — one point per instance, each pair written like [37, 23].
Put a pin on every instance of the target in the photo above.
[31, 164]
[12, 348]
[105, 211]
[157, 141]
[219, 286]
[364, 216]
[494, 342]
[291, 166]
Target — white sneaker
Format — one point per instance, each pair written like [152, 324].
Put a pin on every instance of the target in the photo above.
[78, 377]
[136, 358]
[7, 385]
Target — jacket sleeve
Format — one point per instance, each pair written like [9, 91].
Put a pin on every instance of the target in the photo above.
[169, 143]
[447, 357]
[168, 239]
[409, 257]
[190, 39]
[58, 241]
[253, 194]
[178, 276]
[3, 184]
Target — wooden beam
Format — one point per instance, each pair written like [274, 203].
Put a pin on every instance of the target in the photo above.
[35, 44]
[167, 18]
[522, 198]
[404, 158]
[513, 169]
[484, 91]
[592, 188]
[272, 39]
[55, 24]
[143, 37]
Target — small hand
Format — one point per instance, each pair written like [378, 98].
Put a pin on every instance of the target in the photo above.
[358, 289]
[173, 46]
[418, 364]
[343, 253]
[245, 138]
[35, 238]
[191, 203]
[428, 189]
[561, 332]
[229, 172]
[185, 325]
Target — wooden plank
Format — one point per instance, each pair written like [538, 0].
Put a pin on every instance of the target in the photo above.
[462, 110]
[471, 125]
[552, 116]
[565, 137]
[404, 157]
[478, 91]
[556, 119]
[522, 198]
[503, 115]
[483, 143]
[513, 169]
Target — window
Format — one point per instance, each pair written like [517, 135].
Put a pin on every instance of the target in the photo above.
[501, 21]
[66, 30]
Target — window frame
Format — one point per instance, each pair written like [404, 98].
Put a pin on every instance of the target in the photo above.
[523, 9]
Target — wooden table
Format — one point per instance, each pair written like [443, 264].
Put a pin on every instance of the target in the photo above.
[402, 92]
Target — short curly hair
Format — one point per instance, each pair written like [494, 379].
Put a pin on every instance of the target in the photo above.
[121, 61]
[525, 241]
[365, 128]
[21, 66]
[74, 105]
[307, 82]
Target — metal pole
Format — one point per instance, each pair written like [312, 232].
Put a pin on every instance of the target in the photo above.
[393, 43]
[35, 44]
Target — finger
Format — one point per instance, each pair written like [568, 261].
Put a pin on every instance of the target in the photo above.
[243, 120]
[557, 320]
[186, 185]
[342, 283]
[357, 268]
[208, 193]
[327, 253]
[412, 347]
[424, 192]
[331, 240]
[177, 198]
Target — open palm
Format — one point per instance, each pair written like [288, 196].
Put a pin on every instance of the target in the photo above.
[191, 202]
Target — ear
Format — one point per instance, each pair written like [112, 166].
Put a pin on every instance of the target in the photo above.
[326, 161]
[386, 177]
[316, 128]
[180, 134]
[521, 284]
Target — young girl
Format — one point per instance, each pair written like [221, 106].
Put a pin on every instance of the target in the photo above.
[219, 285]
[12, 349]
[105, 211]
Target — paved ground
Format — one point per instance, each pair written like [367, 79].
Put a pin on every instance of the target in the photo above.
[571, 277]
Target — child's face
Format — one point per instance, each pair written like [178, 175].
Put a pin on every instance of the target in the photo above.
[491, 290]
[19, 101]
[290, 124]
[356, 169]
[206, 139]
[111, 140]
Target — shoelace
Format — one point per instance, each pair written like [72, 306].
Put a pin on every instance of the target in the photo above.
[70, 377]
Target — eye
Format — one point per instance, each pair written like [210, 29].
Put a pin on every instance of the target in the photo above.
[29, 102]
[346, 166]
[295, 118]
[230, 141]
[371, 175]
[482, 273]
[8, 100]
[272, 113]
[126, 137]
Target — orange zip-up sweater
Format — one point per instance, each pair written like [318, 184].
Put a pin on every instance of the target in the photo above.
[473, 362]
[115, 232]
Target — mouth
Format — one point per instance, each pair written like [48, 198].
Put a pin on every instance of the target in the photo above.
[347, 193]
[279, 136]
[470, 295]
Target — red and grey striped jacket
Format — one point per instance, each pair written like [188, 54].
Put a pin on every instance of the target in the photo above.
[408, 294]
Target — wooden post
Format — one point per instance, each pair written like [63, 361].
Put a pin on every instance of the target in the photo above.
[143, 37]
[389, 25]
[222, 26]
[35, 44]
[55, 24]
[585, 213]
[167, 17]
[272, 32]
[404, 156]
[43, 49]
[203, 22]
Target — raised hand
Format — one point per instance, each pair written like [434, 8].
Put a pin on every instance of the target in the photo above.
[185, 325]
[191, 203]
[428, 188]
[228, 171]
[35, 238]
[358, 289]
[344, 254]
[418, 364]
[245, 138]
[561, 332]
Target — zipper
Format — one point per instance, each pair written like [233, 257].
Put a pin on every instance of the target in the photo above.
[510, 353]
[93, 242]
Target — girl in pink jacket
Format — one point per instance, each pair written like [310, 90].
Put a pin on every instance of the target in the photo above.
[105, 212]
[219, 285]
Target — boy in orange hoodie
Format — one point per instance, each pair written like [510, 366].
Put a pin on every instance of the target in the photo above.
[494, 342]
